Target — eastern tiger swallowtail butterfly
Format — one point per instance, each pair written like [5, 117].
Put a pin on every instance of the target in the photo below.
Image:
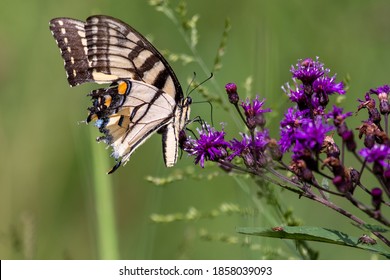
[145, 95]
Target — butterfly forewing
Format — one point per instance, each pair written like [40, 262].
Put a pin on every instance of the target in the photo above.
[109, 49]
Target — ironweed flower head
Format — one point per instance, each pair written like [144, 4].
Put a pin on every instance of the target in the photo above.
[288, 127]
[310, 137]
[313, 93]
[251, 150]
[308, 70]
[210, 145]
[254, 112]
[242, 149]
[325, 86]
[299, 97]
[379, 154]
[337, 115]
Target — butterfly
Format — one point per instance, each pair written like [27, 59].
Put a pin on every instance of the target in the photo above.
[144, 95]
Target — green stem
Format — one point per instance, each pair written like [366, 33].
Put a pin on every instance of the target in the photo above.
[107, 241]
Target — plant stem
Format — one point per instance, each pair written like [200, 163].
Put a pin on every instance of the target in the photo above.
[107, 242]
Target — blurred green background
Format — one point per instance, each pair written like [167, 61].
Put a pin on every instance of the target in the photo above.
[47, 194]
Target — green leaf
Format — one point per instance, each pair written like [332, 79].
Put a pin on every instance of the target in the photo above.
[318, 234]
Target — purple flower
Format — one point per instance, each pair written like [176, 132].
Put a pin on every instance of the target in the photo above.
[248, 149]
[318, 102]
[337, 114]
[254, 112]
[311, 135]
[308, 70]
[381, 89]
[211, 145]
[298, 96]
[379, 154]
[238, 147]
[254, 108]
[327, 85]
[288, 126]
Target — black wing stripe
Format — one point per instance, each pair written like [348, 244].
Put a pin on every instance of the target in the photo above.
[161, 78]
[119, 34]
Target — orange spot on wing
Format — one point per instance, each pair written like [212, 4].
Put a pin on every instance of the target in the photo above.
[122, 87]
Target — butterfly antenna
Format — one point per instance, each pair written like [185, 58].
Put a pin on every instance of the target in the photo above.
[201, 83]
[211, 113]
[188, 91]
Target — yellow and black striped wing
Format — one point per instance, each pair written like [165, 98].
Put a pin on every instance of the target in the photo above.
[104, 49]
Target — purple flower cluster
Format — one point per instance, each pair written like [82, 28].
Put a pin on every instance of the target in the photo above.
[316, 86]
[306, 131]
[212, 146]
[304, 126]
[307, 139]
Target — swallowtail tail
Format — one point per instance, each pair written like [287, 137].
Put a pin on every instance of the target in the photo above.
[145, 95]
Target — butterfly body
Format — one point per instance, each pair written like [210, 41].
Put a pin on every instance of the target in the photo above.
[144, 96]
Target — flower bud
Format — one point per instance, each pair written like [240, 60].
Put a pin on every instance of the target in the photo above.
[231, 90]
[376, 198]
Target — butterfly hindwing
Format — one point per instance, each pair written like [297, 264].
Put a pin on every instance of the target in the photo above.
[130, 120]
[145, 95]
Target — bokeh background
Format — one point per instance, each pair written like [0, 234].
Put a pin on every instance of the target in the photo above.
[50, 163]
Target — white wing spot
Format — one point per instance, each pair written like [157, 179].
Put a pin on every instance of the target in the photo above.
[65, 40]
[101, 77]
[60, 22]
[74, 73]
[72, 59]
[84, 41]
[81, 33]
[63, 31]
[68, 49]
